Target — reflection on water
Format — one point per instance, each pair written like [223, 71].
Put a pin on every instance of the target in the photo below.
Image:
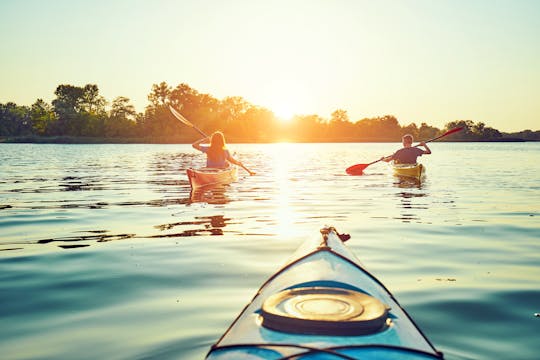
[409, 200]
[101, 236]
[409, 182]
[215, 195]
[142, 265]
[211, 225]
[75, 185]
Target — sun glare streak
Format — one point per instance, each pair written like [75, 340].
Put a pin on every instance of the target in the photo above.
[285, 215]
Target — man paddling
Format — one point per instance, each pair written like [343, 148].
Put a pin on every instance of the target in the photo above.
[409, 153]
[359, 168]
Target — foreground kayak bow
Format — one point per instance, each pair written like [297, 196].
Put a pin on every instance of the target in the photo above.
[323, 304]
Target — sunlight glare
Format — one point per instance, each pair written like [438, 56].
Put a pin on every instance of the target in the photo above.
[285, 216]
[287, 99]
[284, 112]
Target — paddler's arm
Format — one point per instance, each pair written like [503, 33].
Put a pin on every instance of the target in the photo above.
[428, 150]
[239, 163]
[197, 144]
[387, 158]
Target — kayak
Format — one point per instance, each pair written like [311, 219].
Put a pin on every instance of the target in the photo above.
[211, 176]
[415, 171]
[323, 304]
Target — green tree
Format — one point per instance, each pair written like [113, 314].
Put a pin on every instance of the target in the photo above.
[158, 121]
[466, 134]
[91, 102]
[410, 129]
[159, 95]
[380, 128]
[203, 109]
[426, 132]
[42, 117]
[80, 111]
[14, 120]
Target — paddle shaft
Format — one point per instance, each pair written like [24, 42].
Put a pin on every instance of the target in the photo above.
[443, 135]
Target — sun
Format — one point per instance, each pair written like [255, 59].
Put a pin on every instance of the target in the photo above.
[287, 99]
[284, 112]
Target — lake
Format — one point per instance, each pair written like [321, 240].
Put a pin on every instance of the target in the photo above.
[105, 253]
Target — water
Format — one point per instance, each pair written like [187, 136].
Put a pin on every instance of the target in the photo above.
[106, 254]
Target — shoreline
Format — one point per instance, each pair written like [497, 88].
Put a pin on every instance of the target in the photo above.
[167, 140]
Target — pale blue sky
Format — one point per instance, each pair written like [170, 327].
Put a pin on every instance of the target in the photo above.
[428, 61]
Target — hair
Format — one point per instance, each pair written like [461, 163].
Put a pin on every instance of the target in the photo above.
[217, 144]
[407, 138]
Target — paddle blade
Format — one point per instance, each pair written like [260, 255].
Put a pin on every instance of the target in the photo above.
[357, 169]
[453, 131]
[180, 117]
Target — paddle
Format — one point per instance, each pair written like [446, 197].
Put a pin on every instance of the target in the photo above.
[185, 121]
[180, 117]
[359, 168]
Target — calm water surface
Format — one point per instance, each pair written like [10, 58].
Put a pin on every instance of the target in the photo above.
[106, 254]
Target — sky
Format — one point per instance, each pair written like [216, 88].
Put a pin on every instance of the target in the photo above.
[431, 61]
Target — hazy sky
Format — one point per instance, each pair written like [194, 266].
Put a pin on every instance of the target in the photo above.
[428, 61]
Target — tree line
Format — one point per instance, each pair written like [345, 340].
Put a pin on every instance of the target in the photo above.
[82, 113]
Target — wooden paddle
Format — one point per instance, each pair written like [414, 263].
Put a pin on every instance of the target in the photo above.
[359, 168]
[180, 117]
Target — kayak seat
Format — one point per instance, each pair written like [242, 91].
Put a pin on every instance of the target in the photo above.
[322, 310]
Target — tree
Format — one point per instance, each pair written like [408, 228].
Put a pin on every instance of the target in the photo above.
[230, 113]
[68, 99]
[42, 117]
[202, 108]
[91, 102]
[410, 129]
[339, 116]
[339, 126]
[308, 128]
[14, 120]
[159, 95]
[426, 132]
[80, 111]
[473, 131]
[379, 128]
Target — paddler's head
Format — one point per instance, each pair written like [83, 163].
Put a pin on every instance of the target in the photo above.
[218, 140]
[407, 140]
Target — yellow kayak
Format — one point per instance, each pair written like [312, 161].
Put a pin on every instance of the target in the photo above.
[415, 171]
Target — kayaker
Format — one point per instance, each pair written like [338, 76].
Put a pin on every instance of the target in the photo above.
[217, 154]
[408, 154]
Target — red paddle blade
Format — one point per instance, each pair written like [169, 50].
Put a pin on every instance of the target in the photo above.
[453, 131]
[357, 169]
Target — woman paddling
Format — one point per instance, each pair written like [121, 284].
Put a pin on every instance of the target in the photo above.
[217, 154]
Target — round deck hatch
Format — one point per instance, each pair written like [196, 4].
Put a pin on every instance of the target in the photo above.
[324, 311]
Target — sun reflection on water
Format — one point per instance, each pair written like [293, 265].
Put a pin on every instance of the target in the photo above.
[282, 167]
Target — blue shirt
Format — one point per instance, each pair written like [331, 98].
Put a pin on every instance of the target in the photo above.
[218, 162]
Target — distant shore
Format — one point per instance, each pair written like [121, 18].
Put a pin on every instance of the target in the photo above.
[173, 140]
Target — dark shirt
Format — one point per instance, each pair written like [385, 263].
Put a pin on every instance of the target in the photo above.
[407, 155]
